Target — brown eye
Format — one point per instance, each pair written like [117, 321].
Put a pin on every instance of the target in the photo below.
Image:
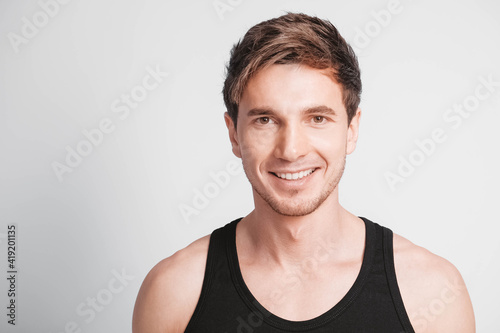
[319, 119]
[263, 120]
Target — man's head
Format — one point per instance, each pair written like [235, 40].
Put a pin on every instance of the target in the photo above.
[293, 88]
[293, 39]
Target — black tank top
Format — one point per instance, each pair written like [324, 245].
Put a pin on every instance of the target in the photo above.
[372, 304]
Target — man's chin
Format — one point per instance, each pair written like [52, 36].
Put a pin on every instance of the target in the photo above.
[299, 208]
[293, 212]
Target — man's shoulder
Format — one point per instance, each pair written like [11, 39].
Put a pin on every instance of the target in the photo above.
[188, 259]
[432, 288]
[170, 292]
[184, 267]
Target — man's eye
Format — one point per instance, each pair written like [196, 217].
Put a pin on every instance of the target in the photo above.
[263, 120]
[319, 119]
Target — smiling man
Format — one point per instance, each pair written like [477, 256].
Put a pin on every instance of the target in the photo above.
[299, 262]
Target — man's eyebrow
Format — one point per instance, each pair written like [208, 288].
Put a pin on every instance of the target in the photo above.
[323, 109]
[260, 112]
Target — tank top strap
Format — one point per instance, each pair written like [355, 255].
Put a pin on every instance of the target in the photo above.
[216, 267]
[390, 272]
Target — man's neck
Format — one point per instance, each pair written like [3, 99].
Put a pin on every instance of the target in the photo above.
[288, 240]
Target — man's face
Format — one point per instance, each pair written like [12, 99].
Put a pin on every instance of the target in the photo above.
[292, 136]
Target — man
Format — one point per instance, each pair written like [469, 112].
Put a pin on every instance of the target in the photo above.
[299, 262]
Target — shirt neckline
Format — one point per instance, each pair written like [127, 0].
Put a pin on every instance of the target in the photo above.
[315, 322]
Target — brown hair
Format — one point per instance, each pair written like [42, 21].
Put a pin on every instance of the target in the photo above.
[293, 39]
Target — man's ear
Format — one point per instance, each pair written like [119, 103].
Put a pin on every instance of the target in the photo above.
[352, 132]
[233, 137]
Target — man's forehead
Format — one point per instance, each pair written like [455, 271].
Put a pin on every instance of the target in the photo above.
[296, 68]
[291, 86]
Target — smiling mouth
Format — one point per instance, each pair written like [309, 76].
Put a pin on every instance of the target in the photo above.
[295, 175]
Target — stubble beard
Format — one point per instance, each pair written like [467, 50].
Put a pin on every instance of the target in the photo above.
[287, 208]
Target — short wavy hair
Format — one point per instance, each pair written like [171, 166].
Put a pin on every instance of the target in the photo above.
[293, 38]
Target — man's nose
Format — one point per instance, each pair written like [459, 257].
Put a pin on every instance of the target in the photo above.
[291, 143]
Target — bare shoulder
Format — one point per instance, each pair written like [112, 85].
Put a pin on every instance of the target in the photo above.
[170, 291]
[433, 291]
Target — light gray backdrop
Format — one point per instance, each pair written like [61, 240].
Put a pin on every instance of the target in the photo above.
[114, 152]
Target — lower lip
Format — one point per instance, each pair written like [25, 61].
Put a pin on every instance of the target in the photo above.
[293, 183]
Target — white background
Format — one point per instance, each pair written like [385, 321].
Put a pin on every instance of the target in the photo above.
[119, 209]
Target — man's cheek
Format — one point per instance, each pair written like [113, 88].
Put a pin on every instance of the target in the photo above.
[258, 144]
[333, 145]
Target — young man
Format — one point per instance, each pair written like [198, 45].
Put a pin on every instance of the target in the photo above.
[299, 262]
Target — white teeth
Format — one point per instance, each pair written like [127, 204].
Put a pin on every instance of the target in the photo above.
[297, 175]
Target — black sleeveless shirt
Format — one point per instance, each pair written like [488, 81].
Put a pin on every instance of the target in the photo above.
[372, 304]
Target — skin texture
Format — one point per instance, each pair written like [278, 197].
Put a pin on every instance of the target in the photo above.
[291, 118]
